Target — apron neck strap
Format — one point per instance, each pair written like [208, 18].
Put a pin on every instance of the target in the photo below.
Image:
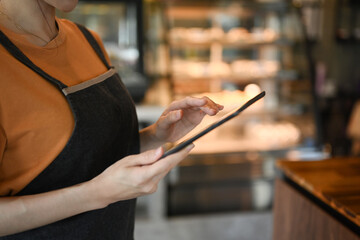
[20, 56]
[94, 44]
[15, 52]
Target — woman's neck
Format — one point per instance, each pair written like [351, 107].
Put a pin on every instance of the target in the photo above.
[33, 18]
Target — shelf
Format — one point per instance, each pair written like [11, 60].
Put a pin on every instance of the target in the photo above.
[232, 79]
[215, 46]
[205, 9]
[282, 75]
[228, 44]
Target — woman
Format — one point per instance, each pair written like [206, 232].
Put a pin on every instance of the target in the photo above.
[72, 160]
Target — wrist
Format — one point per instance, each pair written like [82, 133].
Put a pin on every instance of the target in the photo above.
[93, 195]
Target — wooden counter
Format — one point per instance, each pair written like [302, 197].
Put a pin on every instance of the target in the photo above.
[318, 200]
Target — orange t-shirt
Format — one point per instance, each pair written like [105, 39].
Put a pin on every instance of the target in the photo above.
[35, 119]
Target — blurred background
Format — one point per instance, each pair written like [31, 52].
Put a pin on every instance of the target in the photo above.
[304, 53]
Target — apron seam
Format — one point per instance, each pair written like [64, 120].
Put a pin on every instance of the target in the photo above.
[81, 86]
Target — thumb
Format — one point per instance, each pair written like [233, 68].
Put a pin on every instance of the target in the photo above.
[148, 157]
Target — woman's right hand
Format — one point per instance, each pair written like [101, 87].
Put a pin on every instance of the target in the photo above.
[135, 175]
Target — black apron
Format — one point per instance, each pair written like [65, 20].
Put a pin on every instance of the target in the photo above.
[106, 130]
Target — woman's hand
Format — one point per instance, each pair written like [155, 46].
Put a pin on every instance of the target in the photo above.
[134, 175]
[128, 178]
[177, 120]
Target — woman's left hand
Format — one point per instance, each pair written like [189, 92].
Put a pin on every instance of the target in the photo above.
[179, 119]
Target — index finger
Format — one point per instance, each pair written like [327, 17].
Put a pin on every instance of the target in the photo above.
[191, 102]
[210, 107]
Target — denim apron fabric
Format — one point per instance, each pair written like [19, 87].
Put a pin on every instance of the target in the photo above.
[106, 130]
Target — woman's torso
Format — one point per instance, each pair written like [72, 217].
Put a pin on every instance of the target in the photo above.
[35, 119]
[104, 131]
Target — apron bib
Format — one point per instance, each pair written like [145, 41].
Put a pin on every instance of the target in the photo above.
[106, 130]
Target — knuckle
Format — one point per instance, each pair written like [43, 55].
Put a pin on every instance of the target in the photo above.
[188, 98]
[154, 189]
[149, 188]
[140, 180]
[206, 99]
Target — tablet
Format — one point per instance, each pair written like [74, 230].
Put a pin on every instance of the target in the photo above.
[231, 115]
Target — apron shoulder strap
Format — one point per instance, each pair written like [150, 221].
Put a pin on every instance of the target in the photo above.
[16, 52]
[94, 44]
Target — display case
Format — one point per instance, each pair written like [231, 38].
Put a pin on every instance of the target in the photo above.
[120, 25]
[230, 51]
